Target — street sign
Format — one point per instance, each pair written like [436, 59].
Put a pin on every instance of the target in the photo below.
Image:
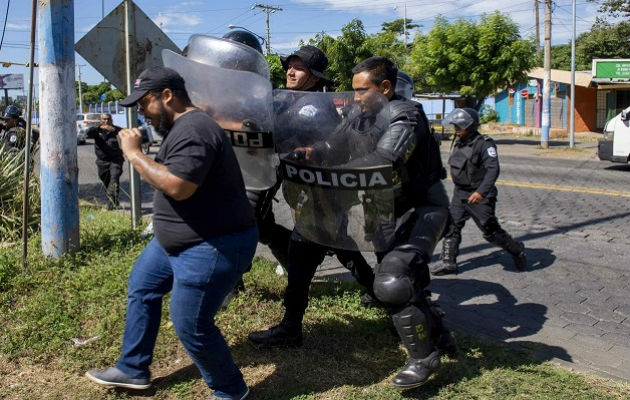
[12, 81]
[611, 70]
[525, 93]
[104, 46]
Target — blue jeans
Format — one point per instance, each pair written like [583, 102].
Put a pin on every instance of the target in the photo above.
[200, 278]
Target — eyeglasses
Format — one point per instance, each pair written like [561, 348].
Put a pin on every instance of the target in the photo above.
[144, 102]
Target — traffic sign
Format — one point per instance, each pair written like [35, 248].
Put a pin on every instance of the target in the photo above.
[104, 46]
[525, 93]
[12, 81]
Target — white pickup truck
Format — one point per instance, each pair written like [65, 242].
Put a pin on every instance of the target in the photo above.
[615, 146]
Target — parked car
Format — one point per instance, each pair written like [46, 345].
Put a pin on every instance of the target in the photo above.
[615, 146]
[85, 122]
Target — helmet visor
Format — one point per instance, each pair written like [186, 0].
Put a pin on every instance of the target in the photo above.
[458, 117]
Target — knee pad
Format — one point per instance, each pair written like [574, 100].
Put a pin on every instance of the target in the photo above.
[393, 281]
[426, 231]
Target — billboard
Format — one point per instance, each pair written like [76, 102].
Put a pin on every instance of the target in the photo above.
[611, 70]
[12, 81]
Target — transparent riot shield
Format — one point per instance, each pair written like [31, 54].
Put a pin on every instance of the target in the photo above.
[340, 190]
[241, 103]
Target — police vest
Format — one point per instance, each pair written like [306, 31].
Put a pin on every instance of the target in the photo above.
[467, 169]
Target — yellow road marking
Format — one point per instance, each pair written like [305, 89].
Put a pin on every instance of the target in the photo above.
[563, 188]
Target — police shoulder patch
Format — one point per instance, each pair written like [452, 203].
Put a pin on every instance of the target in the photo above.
[492, 151]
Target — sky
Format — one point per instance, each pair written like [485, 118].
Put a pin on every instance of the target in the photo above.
[298, 19]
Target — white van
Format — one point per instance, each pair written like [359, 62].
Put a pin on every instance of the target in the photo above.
[615, 146]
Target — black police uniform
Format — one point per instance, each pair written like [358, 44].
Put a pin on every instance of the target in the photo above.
[474, 166]
[109, 159]
[402, 273]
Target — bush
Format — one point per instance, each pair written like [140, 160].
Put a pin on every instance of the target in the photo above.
[11, 193]
[488, 114]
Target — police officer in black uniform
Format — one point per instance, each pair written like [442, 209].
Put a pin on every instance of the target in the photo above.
[109, 157]
[474, 168]
[421, 207]
[304, 70]
[13, 127]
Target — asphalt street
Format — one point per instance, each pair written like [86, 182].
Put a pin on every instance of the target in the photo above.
[572, 304]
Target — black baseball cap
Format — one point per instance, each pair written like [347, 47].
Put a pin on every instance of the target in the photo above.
[153, 79]
[313, 57]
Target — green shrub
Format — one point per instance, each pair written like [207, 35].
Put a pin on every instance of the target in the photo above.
[11, 193]
[488, 114]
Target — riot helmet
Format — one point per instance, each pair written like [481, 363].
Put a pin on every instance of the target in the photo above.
[11, 112]
[463, 118]
[404, 85]
[246, 38]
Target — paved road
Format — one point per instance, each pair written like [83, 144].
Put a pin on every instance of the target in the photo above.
[573, 304]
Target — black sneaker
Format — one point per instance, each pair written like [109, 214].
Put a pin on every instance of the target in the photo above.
[416, 372]
[276, 336]
[237, 397]
[113, 377]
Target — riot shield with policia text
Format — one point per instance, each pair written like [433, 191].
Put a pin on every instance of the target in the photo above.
[230, 81]
[340, 196]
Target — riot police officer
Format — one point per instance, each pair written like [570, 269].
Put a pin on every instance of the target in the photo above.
[395, 132]
[474, 166]
[13, 129]
[305, 72]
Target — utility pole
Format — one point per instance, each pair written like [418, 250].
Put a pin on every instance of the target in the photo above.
[546, 107]
[537, 19]
[59, 184]
[572, 112]
[80, 89]
[405, 25]
[267, 9]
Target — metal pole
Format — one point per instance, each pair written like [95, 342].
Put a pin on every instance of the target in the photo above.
[6, 98]
[537, 38]
[268, 34]
[132, 121]
[59, 171]
[29, 130]
[572, 117]
[80, 91]
[546, 111]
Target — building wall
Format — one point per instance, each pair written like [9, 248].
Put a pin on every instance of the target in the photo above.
[518, 110]
[585, 109]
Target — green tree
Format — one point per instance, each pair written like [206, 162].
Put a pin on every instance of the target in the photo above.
[560, 57]
[396, 26]
[344, 52]
[278, 78]
[614, 8]
[472, 58]
[604, 40]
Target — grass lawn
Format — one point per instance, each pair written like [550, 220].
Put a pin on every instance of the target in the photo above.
[59, 318]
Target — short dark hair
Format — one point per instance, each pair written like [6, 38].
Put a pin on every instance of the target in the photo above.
[379, 68]
[180, 93]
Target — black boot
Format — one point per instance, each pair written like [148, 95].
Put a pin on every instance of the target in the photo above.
[414, 324]
[282, 335]
[443, 338]
[516, 249]
[448, 265]
[417, 371]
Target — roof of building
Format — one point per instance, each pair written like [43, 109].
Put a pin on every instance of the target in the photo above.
[582, 78]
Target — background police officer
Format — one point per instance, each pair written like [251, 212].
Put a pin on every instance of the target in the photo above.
[13, 129]
[474, 169]
[109, 157]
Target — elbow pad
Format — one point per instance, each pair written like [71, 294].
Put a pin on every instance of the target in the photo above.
[399, 141]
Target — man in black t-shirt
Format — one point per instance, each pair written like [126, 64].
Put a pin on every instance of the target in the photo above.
[205, 237]
[109, 157]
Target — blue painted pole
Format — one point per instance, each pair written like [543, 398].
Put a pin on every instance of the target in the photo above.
[59, 172]
[546, 105]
